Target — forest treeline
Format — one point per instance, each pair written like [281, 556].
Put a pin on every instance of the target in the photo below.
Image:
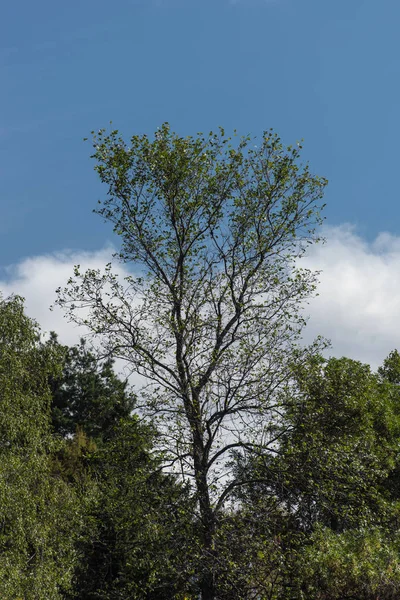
[247, 466]
[87, 512]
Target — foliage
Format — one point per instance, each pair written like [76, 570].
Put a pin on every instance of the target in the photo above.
[39, 514]
[87, 394]
[324, 493]
[141, 543]
[315, 515]
[214, 231]
[341, 444]
[362, 564]
[390, 370]
[138, 522]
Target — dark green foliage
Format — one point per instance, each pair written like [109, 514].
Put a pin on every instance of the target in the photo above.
[87, 394]
[138, 523]
[341, 445]
[390, 370]
[142, 540]
[86, 519]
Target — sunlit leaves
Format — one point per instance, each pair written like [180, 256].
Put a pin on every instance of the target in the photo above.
[39, 514]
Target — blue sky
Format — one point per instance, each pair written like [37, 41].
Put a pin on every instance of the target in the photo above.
[325, 71]
[328, 72]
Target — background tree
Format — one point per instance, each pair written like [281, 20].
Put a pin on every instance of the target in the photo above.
[138, 522]
[214, 232]
[390, 370]
[87, 394]
[327, 494]
[340, 445]
[360, 563]
[142, 544]
[39, 513]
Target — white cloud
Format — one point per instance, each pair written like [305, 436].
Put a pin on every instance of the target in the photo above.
[36, 279]
[358, 306]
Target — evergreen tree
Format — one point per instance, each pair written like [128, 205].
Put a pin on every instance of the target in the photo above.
[140, 541]
[87, 394]
[138, 521]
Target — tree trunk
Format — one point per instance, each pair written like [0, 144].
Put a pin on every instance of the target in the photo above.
[207, 587]
[207, 579]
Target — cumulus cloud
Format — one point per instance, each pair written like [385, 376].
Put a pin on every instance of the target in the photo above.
[358, 306]
[37, 278]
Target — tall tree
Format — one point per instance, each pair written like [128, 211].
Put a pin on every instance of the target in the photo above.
[39, 513]
[213, 231]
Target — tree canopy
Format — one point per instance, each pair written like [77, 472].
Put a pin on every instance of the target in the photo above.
[248, 466]
[213, 230]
